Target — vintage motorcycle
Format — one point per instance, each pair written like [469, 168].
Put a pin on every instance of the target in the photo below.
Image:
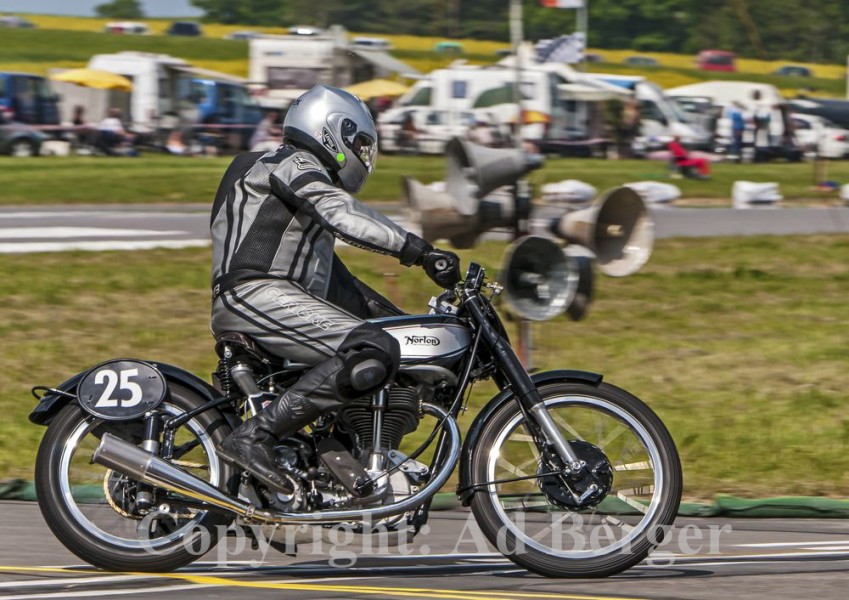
[565, 474]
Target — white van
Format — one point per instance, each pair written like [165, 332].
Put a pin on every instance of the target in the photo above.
[661, 118]
[751, 96]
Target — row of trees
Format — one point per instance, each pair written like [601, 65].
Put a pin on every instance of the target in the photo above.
[813, 30]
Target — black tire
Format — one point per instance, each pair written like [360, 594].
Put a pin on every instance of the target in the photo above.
[23, 148]
[78, 538]
[550, 564]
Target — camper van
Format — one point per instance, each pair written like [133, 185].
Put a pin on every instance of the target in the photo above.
[282, 67]
[558, 103]
[167, 86]
[661, 118]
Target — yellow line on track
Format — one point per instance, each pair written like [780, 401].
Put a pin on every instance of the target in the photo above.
[446, 594]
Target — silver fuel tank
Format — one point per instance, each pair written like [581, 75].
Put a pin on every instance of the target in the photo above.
[434, 339]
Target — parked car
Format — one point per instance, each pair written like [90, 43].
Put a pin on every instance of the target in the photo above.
[448, 48]
[641, 61]
[184, 28]
[16, 22]
[816, 135]
[375, 43]
[793, 71]
[17, 139]
[593, 57]
[242, 35]
[127, 28]
[307, 30]
[716, 60]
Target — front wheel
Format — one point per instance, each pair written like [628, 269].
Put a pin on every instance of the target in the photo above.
[537, 519]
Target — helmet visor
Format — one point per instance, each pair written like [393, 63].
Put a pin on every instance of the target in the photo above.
[365, 148]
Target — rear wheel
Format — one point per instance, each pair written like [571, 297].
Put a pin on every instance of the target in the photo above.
[535, 518]
[91, 509]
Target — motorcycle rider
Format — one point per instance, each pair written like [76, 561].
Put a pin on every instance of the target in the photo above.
[277, 279]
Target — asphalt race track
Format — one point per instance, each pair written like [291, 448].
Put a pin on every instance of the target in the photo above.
[706, 558]
[138, 227]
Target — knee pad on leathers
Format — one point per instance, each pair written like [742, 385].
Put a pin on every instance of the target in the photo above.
[371, 358]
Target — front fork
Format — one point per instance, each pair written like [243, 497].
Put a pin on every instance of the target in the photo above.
[543, 429]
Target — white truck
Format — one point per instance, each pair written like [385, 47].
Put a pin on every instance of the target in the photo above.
[282, 67]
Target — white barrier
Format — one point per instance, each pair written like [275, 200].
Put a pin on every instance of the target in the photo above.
[749, 194]
[568, 191]
[655, 193]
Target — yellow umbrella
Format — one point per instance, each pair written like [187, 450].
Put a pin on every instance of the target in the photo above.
[93, 78]
[376, 88]
[530, 117]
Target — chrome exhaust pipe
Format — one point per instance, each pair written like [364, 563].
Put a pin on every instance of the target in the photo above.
[140, 465]
[136, 463]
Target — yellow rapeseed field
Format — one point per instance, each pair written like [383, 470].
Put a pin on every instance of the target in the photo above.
[429, 60]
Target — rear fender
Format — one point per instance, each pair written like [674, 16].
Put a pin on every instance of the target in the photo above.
[465, 491]
[51, 403]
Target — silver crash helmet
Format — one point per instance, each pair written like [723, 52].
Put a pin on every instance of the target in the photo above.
[338, 128]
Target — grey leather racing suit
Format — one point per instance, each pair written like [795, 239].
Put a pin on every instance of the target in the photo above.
[275, 276]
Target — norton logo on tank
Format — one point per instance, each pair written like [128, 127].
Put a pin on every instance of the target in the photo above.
[421, 340]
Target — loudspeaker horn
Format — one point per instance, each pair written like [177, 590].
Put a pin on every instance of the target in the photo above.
[616, 227]
[473, 171]
[436, 214]
[541, 281]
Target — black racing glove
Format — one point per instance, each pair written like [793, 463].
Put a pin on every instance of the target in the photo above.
[442, 267]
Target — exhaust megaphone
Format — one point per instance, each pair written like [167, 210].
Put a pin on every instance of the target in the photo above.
[436, 214]
[473, 171]
[616, 227]
[541, 281]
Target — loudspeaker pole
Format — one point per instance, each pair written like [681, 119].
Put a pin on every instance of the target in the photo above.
[516, 36]
[521, 189]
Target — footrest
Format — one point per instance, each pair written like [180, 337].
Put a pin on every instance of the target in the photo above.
[344, 467]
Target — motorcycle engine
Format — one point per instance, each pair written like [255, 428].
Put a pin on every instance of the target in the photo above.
[400, 418]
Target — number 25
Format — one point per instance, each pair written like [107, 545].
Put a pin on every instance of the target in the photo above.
[111, 379]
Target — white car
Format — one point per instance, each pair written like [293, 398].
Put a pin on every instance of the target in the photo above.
[816, 135]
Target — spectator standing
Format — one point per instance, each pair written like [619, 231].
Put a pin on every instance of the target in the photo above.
[738, 128]
[408, 134]
[630, 124]
[761, 122]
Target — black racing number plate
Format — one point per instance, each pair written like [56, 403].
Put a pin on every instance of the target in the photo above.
[121, 390]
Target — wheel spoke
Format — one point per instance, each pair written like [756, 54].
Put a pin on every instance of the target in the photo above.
[642, 465]
[625, 496]
[562, 422]
[508, 466]
[619, 430]
[618, 523]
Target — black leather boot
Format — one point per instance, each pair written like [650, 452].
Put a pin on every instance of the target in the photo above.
[251, 445]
